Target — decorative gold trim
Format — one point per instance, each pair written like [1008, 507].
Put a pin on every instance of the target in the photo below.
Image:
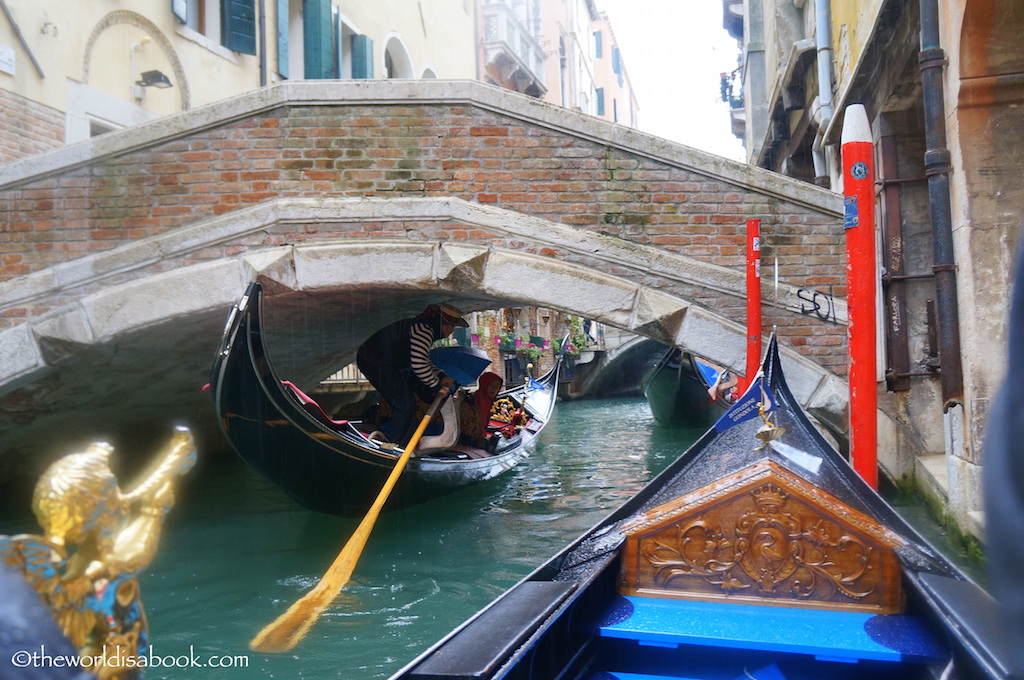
[96, 539]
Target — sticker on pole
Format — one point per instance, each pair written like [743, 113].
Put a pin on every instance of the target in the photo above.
[851, 216]
[859, 170]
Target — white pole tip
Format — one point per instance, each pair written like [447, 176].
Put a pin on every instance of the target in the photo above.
[855, 124]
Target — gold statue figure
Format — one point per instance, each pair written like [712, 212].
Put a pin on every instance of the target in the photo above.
[96, 539]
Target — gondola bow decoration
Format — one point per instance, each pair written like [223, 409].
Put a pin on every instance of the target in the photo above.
[96, 540]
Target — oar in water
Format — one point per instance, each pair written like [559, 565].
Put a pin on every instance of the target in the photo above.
[289, 628]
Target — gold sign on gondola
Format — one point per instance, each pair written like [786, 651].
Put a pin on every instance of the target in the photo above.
[95, 541]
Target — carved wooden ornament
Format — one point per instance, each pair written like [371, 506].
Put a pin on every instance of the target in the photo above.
[763, 536]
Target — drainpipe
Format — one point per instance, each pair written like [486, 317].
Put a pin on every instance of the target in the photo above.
[937, 167]
[823, 112]
[21, 39]
[263, 43]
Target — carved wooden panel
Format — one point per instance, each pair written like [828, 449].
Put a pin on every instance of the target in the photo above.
[763, 536]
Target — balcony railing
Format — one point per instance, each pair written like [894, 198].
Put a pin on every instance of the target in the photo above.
[509, 45]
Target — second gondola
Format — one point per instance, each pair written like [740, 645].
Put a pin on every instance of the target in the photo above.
[339, 466]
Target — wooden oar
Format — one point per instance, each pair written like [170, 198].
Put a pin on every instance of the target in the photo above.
[289, 628]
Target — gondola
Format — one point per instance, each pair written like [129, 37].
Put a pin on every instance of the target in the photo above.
[677, 390]
[339, 466]
[759, 553]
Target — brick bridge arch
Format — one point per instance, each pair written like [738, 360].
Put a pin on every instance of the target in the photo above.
[121, 253]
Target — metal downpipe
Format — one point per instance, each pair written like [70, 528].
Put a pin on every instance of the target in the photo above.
[822, 21]
[263, 43]
[937, 168]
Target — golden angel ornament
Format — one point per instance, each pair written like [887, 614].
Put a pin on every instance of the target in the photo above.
[96, 540]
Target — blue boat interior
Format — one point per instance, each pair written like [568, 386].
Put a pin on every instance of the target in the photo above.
[643, 638]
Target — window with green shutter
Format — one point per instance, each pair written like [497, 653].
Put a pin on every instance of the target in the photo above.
[318, 39]
[238, 25]
[282, 37]
[362, 57]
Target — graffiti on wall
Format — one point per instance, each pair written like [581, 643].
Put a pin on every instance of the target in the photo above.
[816, 303]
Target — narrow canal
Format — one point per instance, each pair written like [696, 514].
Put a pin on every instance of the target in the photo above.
[236, 552]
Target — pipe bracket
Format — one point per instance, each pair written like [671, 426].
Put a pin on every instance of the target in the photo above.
[932, 58]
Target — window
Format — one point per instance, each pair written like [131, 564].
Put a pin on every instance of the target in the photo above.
[362, 56]
[283, 58]
[396, 60]
[600, 101]
[343, 34]
[317, 40]
[598, 51]
[201, 16]
[238, 26]
[305, 39]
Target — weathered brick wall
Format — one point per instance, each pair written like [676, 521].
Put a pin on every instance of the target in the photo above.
[28, 127]
[423, 149]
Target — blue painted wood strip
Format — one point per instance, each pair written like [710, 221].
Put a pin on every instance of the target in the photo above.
[837, 635]
[770, 672]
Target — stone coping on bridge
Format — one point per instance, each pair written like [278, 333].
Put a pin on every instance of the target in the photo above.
[119, 261]
[419, 92]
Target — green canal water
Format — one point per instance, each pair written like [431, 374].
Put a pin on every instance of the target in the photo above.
[236, 553]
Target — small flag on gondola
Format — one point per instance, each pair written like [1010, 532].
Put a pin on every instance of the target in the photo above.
[748, 406]
[534, 385]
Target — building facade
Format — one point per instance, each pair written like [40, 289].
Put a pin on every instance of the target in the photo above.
[942, 83]
[69, 72]
[562, 52]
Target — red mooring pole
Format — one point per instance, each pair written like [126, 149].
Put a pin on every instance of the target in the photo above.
[861, 275]
[753, 302]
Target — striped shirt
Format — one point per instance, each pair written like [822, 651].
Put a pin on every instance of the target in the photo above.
[421, 339]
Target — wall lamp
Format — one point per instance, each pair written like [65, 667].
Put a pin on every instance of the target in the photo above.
[154, 79]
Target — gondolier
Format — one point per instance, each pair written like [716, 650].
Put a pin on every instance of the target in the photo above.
[396, 361]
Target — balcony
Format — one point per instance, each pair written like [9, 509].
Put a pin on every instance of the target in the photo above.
[510, 47]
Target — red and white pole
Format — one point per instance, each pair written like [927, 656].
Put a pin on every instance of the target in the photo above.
[753, 302]
[861, 277]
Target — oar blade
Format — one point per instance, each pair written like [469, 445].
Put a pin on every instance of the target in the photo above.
[288, 629]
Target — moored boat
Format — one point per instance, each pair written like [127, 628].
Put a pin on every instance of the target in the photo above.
[679, 391]
[758, 553]
[339, 466]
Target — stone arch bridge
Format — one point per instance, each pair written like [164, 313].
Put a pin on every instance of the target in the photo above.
[359, 202]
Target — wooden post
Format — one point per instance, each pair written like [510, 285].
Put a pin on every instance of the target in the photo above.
[861, 286]
[753, 302]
